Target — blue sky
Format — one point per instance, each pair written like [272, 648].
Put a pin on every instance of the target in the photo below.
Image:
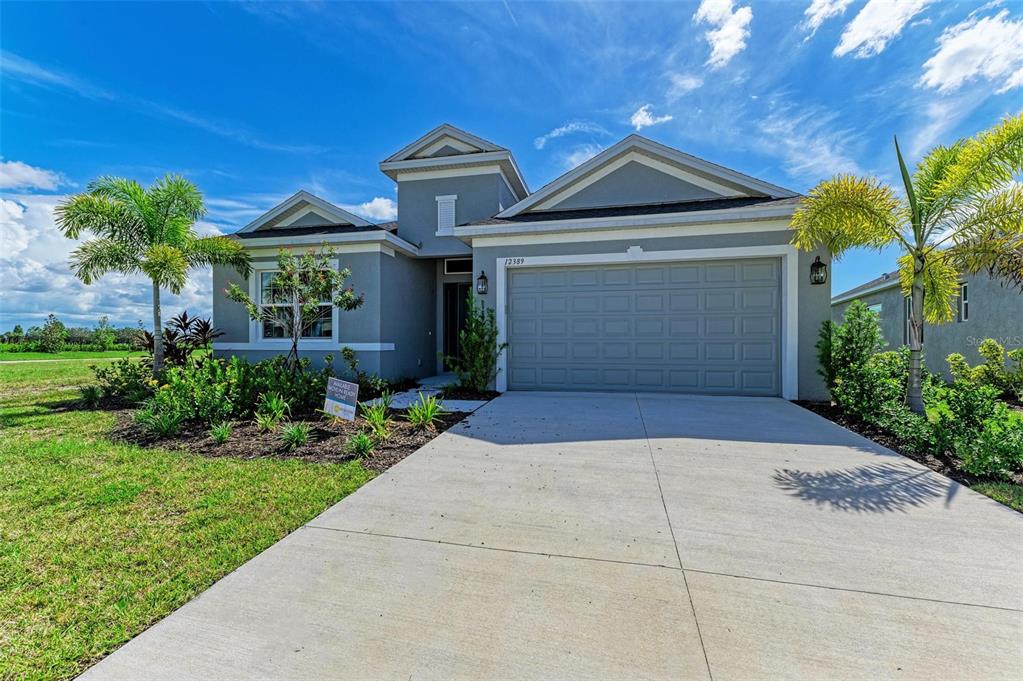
[255, 101]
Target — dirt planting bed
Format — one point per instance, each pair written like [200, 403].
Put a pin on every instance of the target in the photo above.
[326, 440]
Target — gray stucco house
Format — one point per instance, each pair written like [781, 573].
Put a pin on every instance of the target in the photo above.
[642, 269]
[986, 308]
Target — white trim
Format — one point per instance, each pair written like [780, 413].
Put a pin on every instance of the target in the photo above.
[643, 159]
[469, 260]
[301, 214]
[667, 154]
[853, 295]
[413, 175]
[635, 254]
[447, 141]
[394, 169]
[442, 130]
[303, 196]
[374, 237]
[732, 215]
[355, 248]
[305, 344]
[632, 233]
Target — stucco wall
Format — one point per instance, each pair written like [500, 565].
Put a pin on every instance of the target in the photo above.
[813, 301]
[478, 198]
[407, 317]
[996, 312]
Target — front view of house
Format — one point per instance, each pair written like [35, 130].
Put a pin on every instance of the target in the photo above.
[642, 269]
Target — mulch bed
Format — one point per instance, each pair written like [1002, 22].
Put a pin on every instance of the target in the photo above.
[456, 393]
[326, 441]
[941, 463]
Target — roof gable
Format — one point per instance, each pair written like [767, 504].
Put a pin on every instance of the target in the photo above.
[303, 209]
[639, 171]
[435, 142]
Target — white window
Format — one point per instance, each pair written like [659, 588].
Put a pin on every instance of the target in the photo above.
[458, 266]
[875, 308]
[320, 326]
[964, 302]
[446, 215]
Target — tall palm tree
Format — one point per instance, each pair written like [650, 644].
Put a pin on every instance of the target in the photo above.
[144, 230]
[961, 212]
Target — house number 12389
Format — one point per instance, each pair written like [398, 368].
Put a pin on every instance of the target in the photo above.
[514, 261]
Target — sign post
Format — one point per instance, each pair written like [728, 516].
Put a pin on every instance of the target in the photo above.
[342, 397]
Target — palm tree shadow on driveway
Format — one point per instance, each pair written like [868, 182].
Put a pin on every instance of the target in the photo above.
[874, 488]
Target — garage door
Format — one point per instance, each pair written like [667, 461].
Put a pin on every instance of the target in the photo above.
[700, 327]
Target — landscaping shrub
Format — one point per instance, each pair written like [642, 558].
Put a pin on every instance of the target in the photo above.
[91, 396]
[159, 420]
[996, 451]
[477, 367]
[824, 345]
[425, 413]
[914, 431]
[271, 411]
[854, 343]
[1008, 380]
[221, 432]
[370, 385]
[377, 419]
[961, 412]
[125, 381]
[359, 444]
[295, 435]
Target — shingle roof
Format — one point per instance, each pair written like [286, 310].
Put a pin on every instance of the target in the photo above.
[887, 277]
[649, 209]
[326, 230]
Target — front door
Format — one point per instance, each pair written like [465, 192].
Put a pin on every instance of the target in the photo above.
[456, 296]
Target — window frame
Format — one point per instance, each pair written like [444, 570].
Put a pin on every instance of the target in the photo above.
[256, 327]
[446, 203]
[964, 302]
[447, 269]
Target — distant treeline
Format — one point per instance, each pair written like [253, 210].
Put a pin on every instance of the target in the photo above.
[54, 336]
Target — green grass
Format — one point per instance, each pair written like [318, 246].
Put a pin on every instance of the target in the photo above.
[1007, 493]
[70, 354]
[99, 540]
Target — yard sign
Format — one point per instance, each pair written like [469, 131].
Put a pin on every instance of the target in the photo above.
[342, 397]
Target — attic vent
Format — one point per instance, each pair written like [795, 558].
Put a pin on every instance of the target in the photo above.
[446, 215]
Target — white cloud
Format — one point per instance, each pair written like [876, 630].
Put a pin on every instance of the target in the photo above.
[580, 154]
[940, 115]
[810, 147]
[378, 208]
[642, 118]
[820, 11]
[730, 29]
[879, 22]
[18, 175]
[569, 129]
[681, 84]
[35, 278]
[989, 49]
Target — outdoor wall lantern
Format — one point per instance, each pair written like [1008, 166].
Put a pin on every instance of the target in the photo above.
[482, 283]
[818, 272]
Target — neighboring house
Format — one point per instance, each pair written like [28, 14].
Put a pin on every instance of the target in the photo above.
[986, 308]
[643, 269]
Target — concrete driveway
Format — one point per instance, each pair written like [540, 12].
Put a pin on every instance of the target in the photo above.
[622, 536]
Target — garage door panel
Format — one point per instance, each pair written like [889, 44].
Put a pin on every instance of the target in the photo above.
[707, 327]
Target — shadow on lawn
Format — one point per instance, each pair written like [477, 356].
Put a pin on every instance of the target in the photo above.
[876, 488]
[30, 412]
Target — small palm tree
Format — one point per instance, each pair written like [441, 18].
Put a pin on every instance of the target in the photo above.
[144, 230]
[962, 212]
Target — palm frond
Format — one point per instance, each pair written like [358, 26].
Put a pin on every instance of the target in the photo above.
[178, 204]
[930, 172]
[940, 282]
[166, 266]
[100, 215]
[986, 162]
[218, 250]
[848, 211]
[97, 257]
[995, 218]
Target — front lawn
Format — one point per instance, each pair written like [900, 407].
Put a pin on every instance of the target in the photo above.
[70, 354]
[98, 540]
